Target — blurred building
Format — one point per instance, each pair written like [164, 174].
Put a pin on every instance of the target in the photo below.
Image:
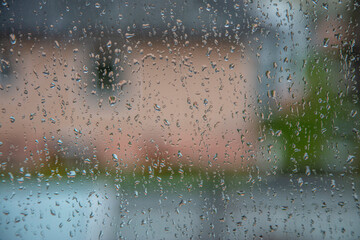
[132, 86]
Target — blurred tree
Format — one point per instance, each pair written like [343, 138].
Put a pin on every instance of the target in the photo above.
[324, 115]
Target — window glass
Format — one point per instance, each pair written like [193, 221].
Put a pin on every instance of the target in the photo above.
[169, 119]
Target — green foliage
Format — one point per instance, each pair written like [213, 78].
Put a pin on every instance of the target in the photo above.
[323, 116]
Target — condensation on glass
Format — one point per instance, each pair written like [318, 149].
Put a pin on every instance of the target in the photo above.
[201, 119]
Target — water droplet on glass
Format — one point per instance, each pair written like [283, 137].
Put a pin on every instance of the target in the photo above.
[57, 44]
[146, 25]
[267, 73]
[112, 100]
[115, 157]
[12, 38]
[128, 106]
[166, 122]
[353, 113]
[326, 42]
[333, 184]
[129, 35]
[157, 107]
[71, 174]
[227, 24]
[350, 159]
[109, 44]
[85, 69]
[300, 181]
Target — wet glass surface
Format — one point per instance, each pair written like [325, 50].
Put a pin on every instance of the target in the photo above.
[179, 119]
